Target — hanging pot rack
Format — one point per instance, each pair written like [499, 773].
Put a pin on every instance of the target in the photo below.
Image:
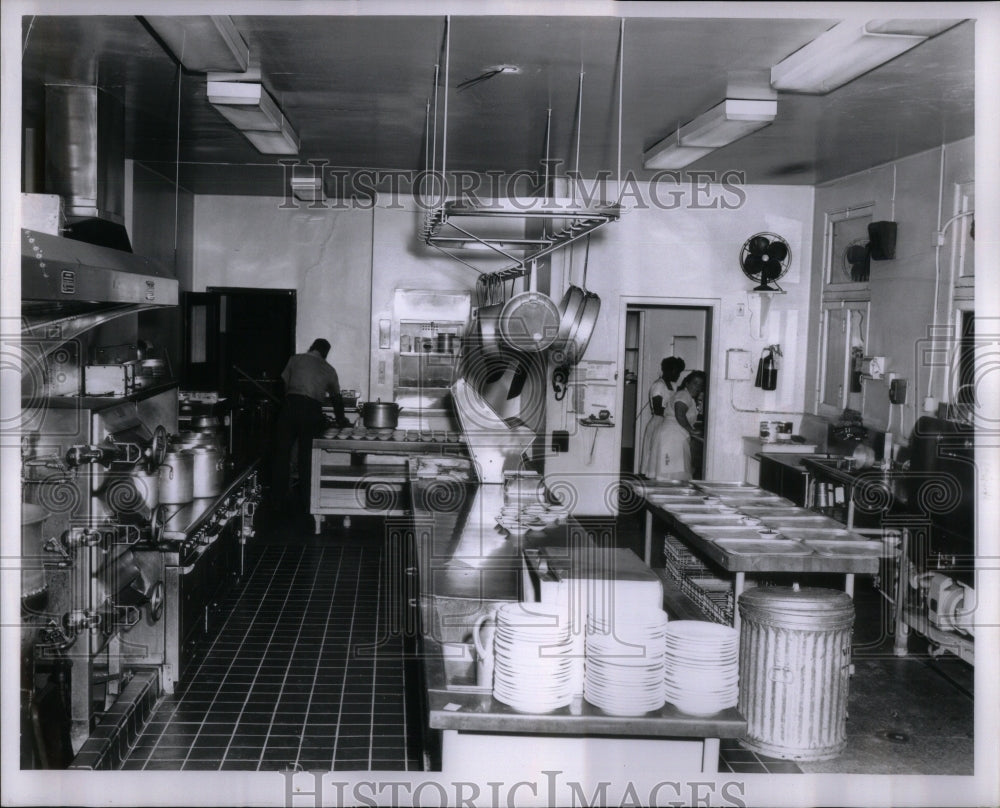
[571, 220]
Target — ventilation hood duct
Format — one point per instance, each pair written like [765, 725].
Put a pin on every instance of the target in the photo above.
[91, 265]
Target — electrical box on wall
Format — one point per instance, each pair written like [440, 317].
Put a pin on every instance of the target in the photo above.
[897, 391]
[738, 365]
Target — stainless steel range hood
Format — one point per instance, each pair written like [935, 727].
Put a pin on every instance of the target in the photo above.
[90, 272]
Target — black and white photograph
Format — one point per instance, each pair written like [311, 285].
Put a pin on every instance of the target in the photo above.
[502, 403]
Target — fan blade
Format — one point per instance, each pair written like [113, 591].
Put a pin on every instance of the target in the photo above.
[856, 253]
[770, 271]
[758, 245]
[753, 264]
[777, 251]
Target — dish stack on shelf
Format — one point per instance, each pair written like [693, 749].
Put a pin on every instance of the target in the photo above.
[701, 666]
[532, 653]
[623, 667]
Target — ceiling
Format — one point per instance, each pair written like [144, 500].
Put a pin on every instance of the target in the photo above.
[357, 90]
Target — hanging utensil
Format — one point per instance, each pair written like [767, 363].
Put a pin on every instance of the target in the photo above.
[529, 321]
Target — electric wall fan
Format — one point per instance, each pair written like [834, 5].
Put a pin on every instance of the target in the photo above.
[764, 258]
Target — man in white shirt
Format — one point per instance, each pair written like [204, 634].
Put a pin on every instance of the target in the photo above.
[309, 379]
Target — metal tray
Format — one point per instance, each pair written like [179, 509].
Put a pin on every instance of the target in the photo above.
[846, 549]
[763, 547]
[740, 532]
[838, 534]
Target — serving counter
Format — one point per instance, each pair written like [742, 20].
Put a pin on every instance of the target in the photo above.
[468, 567]
[753, 531]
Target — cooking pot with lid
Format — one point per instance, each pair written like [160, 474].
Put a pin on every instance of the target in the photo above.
[177, 477]
[380, 414]
[208, 468]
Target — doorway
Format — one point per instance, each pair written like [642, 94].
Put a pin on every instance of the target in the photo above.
[236, 343]
[653, 332]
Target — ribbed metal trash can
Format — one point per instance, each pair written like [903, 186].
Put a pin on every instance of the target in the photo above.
[795, 658]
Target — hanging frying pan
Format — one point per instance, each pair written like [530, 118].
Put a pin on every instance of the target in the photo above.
[569, 311]
[583, 328]
[529, 321]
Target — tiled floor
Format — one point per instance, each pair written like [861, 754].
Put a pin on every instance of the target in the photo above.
[298, 677]
[303, 675]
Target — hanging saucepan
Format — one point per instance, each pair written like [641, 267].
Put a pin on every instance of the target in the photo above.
[488, 318]
[569, 311]
[529, 321]
[583, 328]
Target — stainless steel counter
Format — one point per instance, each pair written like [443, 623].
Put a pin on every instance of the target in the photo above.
[466, 566]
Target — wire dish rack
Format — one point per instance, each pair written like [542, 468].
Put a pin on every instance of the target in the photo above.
[712, 594]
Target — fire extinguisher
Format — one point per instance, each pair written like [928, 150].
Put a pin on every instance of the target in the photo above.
[767, 369]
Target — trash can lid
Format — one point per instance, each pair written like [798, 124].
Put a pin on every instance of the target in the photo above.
[796, 600]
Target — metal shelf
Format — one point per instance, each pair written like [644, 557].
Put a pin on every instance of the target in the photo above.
[440, 228]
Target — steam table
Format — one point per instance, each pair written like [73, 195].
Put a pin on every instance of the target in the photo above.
[365, 475]
[850, 554]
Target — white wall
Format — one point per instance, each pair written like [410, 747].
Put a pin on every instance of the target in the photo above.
[324, 254]
[909, 192]
[689, 254]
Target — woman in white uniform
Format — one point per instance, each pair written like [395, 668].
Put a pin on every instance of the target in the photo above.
[679, 430]
[660, 403]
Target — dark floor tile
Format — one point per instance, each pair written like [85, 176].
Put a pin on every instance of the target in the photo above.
[235, 752]
[201, 765]
[239, 765]
[133, 764]
[215, 753]
[740, 767]
[782, 767]
[163, 765]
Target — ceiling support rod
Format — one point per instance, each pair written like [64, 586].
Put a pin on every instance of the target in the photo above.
[579, 128]
[548, 139]
[489, 244]
[621, 71]
[444, 126]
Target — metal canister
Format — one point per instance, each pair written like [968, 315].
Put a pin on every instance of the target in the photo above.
[177, 477]
[795, 659]
[208, 471]
[34, 586]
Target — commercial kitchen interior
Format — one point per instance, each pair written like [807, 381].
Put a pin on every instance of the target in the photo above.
[253, 243]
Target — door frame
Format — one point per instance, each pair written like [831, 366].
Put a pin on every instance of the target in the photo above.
[713, 306]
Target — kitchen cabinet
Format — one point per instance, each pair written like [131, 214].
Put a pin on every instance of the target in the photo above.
[784, 476]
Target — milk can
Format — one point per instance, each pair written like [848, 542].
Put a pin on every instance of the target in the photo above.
[795, 658]
[177, 477]
[208, 470]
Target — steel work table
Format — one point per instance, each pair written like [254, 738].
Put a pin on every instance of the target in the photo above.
[461, 558]
[705, 539]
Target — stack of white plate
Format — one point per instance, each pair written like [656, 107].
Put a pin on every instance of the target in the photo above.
[623, 668]
[533, 656]
[701, 666]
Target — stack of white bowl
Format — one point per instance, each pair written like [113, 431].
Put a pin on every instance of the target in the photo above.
[701, 666]
[623, 669]
[532, 653]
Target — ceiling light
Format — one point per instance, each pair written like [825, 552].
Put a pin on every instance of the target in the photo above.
[849, 50]
[284, 142]
[250, 108]
[246, 105]
[725, 123]
[308, 189]
[203, 44]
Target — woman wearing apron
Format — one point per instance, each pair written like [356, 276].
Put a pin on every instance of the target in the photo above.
[652, 464]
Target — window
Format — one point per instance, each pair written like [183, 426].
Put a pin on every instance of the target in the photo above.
[844, 334]
[847, 246]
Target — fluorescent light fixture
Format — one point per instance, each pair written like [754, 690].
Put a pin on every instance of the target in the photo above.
[203, 44]
[250, 108]
[725, 123]
[308, 189]
[284, 142]
[245, 104]
[849, 50]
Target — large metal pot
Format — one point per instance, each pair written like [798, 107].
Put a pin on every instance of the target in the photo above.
[209, 471]
[177, 477]
[380, 414]
[34, 587]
